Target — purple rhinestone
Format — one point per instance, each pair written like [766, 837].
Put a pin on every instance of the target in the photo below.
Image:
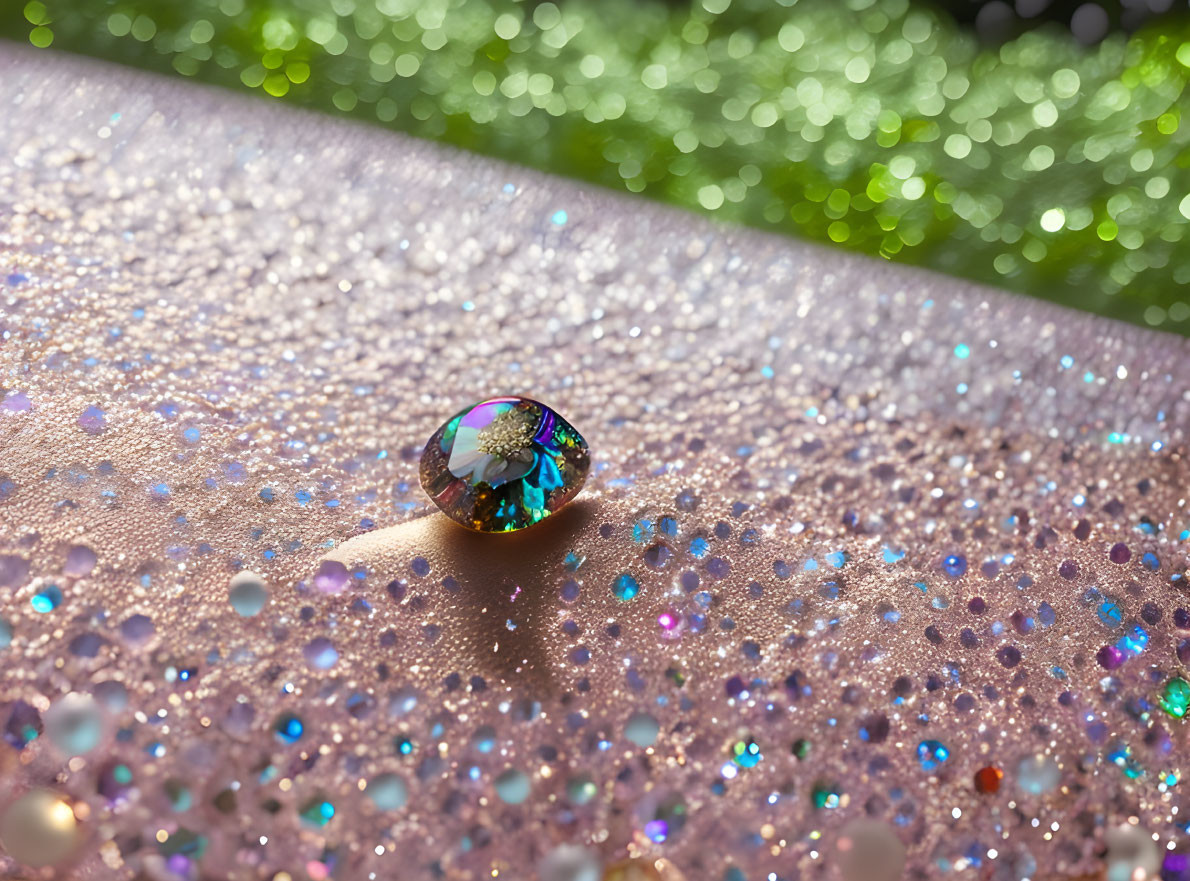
[1009, 656]
[657, 556]
[331, 577]
[137, 628]
[874, 728]
[1175, 867]
[1120, 553]
[80, 560]
[1110, 657]
[13, 570]
[717, 567]
[23, 725]
[93, 420]
[114, 781]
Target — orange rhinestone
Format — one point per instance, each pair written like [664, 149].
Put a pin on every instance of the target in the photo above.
[987, 780]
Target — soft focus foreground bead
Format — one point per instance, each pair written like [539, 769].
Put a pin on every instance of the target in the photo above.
[504, 464]
[39, 829]
[74, 724]
[247, 593]
[1037, 775]
[1131, 854]
[869, 850]
[569, 862]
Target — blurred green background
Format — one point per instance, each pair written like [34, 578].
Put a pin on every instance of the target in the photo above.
[1039, 165]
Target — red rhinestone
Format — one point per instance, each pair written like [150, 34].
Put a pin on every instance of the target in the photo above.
[987, 780]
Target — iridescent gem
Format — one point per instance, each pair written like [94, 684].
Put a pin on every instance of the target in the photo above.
[47, 600]
[504, 464]
[23, 726]
[661, 814]
[247, 593]
[1120, 554]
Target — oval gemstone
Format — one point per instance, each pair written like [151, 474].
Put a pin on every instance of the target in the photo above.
[504, 464]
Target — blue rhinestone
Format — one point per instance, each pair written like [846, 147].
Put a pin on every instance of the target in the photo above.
[955, 565]
[931, 754]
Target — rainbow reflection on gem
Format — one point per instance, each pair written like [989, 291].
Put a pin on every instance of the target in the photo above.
[504, 464]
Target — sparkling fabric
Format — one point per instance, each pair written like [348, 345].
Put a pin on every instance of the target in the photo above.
[853, 534]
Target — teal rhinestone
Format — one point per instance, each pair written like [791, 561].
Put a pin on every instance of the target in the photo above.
[1175, 699]
[504, 464]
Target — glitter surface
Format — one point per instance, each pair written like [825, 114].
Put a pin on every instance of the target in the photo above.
[882, 126]
[331, 680]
